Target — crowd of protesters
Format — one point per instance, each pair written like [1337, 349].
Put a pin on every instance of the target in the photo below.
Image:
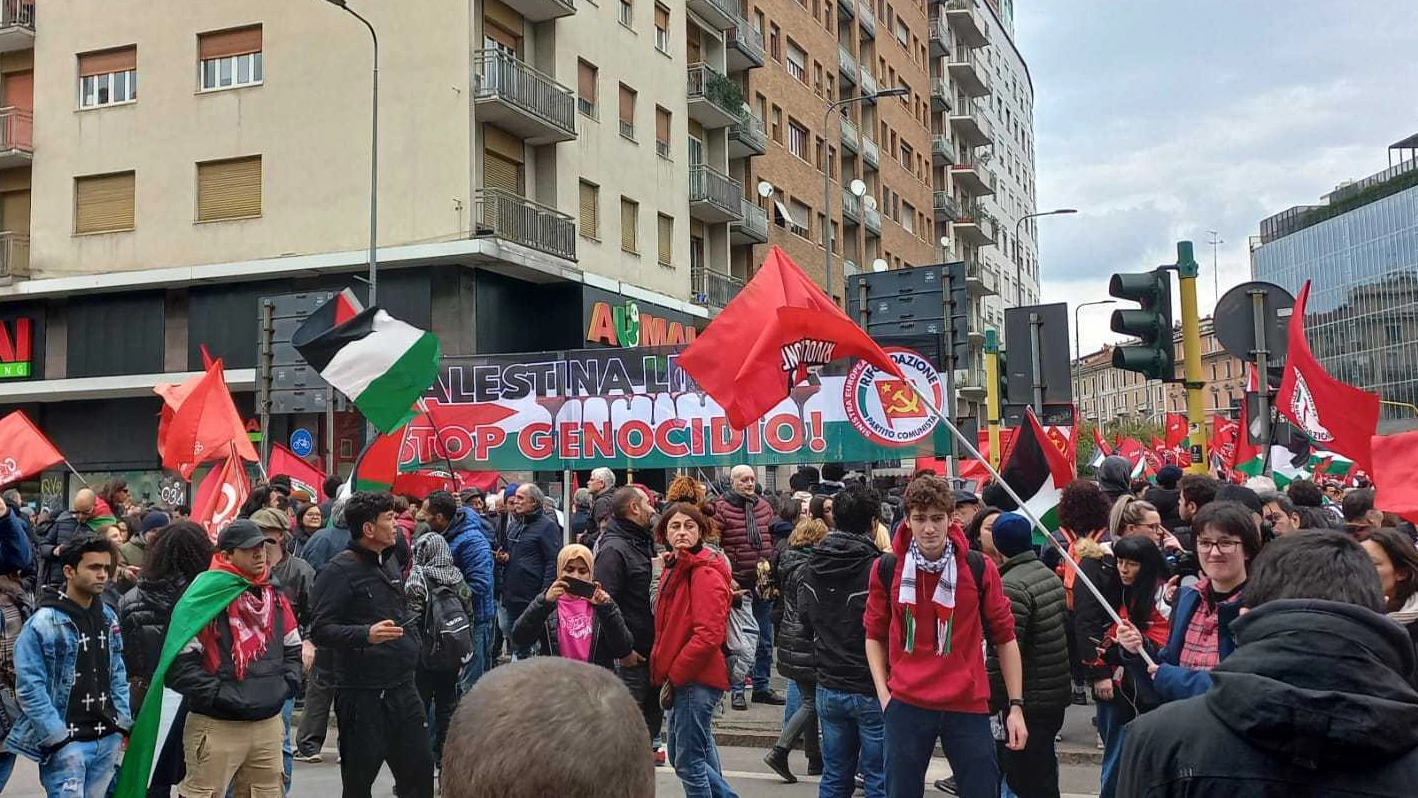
[1190, 612]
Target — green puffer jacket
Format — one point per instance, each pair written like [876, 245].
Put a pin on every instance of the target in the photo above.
[1036, 595]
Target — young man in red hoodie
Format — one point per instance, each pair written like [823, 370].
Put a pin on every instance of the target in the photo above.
[925, 630]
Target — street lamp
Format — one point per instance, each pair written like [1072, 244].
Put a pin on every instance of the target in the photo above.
[1077, 354]
[373, 278]
[827, 170]
[1019, 284]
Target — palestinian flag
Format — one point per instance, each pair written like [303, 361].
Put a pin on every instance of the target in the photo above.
[1101, 449]
[378, 465]
[382, 364]
[1038, 472]
[1331, 464]
[208, 595]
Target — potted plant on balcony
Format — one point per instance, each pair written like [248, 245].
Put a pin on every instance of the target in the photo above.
[723, 91]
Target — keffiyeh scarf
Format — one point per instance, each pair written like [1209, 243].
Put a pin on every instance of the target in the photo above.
[944, 594]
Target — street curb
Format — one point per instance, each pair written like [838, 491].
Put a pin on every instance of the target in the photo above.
[749, 738]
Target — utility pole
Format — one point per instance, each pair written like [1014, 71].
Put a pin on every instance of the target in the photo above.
[1215, 274]
[992, 398]
[1187, 271]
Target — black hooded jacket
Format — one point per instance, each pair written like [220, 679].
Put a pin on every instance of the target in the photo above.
[794, 645]
[624, 569]
[1317, 700]
[1113, 475]
[831, 603]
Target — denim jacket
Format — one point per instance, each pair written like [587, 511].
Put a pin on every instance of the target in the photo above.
[45, 654]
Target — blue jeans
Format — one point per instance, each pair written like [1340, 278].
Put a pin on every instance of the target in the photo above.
[911, 733]
[763, 657]
[81, 770]
[1113, 718]
[7, 765]
[851, 726]
[693, 752]
[482, 649]
[792, 701]
[287, 745]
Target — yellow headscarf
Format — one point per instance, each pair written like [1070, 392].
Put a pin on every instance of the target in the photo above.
[572, 552]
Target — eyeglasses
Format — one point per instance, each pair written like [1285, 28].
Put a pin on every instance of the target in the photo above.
[1223, 546]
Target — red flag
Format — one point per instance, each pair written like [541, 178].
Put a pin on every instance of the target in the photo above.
[1101, 443]
[1395, 463]
[1223, 440]
[763, 343]
[204, 427]
[23, 449]
[1177, 429]
[1336, 416]
[220, 496]
[303, 475]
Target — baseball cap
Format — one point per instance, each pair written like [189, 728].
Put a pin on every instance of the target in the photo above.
[155, 519]
[240, 534]
[268, 518]
[966, 497]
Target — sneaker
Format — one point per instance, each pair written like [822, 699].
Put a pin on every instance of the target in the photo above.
[1080, 696]
[660, 757]
[859, 782]
[946, 786]
[313, 759]
[1100, 742]
[777, 760]
[768, 697]
[738, 702]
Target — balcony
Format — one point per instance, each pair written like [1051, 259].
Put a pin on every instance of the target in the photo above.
[945, 208]
[502, 214]
[715, 101]
[871, 153]
[973, 227]
[847, 65]
[846, 9]
[752, 228]
[980, 280]
[871, 217]
[867, 19]
[851, 139]
[970, 126]
[712, 289]
[942, 150]
[973, 177]
[14, 256]
[968, 73]
[965, 20]
[850, 268]
[940, 96]
[714, 196]
[851, 208]
[747, 137]
[16, 26]
[16, 137]
[521, 100]
[869, 85]
[722, 14]
[972, 387]
[743, 47]
[542, 10]
[940, 37]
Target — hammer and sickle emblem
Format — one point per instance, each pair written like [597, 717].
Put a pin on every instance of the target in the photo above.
[903, 401]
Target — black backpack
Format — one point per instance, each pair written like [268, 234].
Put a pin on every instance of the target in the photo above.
[886, 572]
[447, 631]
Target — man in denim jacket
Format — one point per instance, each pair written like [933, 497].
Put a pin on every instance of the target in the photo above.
[70, 679]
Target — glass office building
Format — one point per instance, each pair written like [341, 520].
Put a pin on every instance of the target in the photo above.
[1360, 250]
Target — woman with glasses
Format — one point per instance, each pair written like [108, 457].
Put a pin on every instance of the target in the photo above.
[1200, 632]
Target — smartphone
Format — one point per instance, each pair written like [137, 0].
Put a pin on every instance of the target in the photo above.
[580, 587]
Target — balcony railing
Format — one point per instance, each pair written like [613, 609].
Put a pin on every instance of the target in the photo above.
[968, 73]
[851, 206]
[872, 219]
[711, 288]
[867, 17]
[966, 21]
[847, 63]
[748, 132]
[16, 129]
[940, 37]
[945, 205]
[940, 95]
[14, 255]
[942, 150]
[718, 190]
[547, 104]
[754, 224]
[708, 86]
[505, 215]
[743, 39]
[17, 14]
[871, 153]
[869, 86]
[719, 13]
[851, 139]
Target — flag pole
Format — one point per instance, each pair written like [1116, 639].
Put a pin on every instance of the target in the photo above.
[1023, 509]
[85, 482]
[438, 436]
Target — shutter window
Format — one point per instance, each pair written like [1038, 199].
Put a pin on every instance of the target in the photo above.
[627, 110]
[120, 60]
[222, 44]
[590, 210]
[662, 17]
[662, 125]
[667, 234]
[502, 173]
[629, 223]
[586, 87]
[103, 203]
[229, 189]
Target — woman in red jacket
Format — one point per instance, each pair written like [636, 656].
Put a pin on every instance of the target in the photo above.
[691, 624]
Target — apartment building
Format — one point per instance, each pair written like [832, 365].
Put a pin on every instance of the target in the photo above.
[1104, 393]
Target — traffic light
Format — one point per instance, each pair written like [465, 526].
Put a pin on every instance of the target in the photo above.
[1153, 356]
[959, 299]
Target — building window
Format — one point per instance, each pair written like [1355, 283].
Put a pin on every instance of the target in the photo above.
[587, 79]
[230, 58]
[822, 229]
[906, 155]
[696, 252]
[775, 41]
[590, 210]
[662, 28]
[797, 62]
[662, 132]
[108, 78]
[817, 78]
[630, 225]
[797, 139]
[667, 237]
[777, 126]
[229, 189]
[627, 112]
[908, 217]
[103, 203]
[799, 212]
[627, 14]
[819, 154]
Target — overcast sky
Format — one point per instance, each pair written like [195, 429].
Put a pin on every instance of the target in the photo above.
[1160, 120]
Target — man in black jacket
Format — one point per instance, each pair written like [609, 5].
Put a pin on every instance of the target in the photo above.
[360, 615]
[236, 675]
[624, 568]
[66, 526]
[1315, 700]
[831, 603]
[533, 541]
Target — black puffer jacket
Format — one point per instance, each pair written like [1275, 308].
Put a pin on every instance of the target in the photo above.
[1315, 701]
[831, 603]
[143, 614]
[1036, 595]
[541, 623]
[794, 645]
[355, 591]
[269, 679]
[624, 568]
